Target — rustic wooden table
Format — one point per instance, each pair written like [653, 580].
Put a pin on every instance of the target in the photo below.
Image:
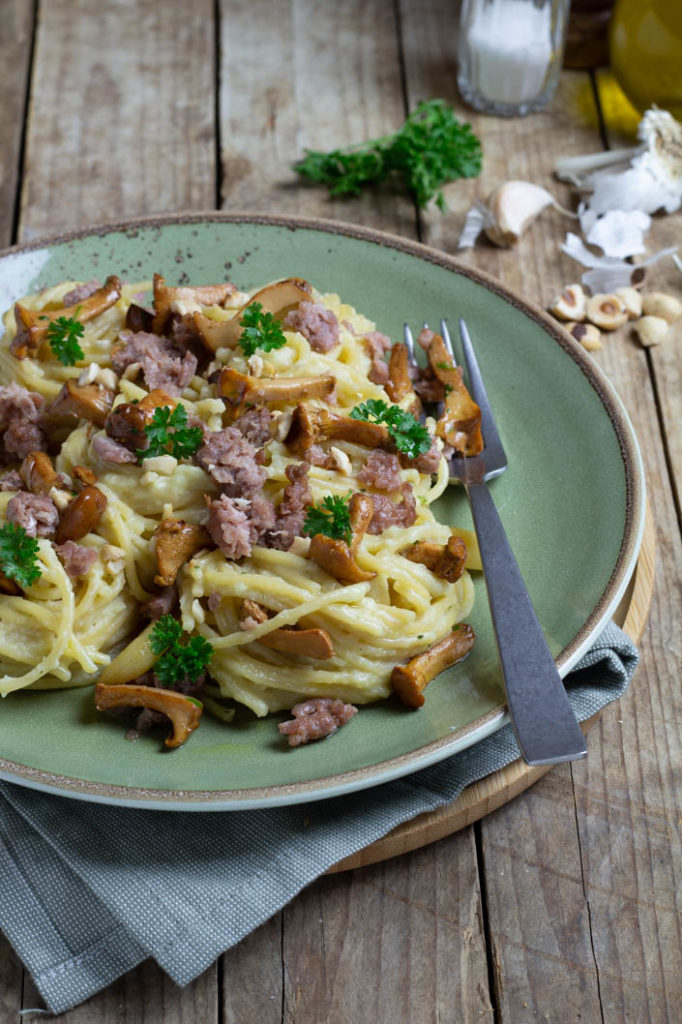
[564, 904]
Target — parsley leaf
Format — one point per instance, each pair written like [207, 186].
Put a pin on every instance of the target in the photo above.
[19, 555]
[166, 632]
[407, 433]
[260, 330]
[431, 148]
[331, 518]
[169, 434]
[63, 335]
[177, 662]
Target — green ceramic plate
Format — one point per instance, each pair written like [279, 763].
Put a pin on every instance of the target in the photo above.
[571, 502]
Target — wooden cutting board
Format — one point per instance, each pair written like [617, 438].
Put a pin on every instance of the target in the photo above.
[497, 789]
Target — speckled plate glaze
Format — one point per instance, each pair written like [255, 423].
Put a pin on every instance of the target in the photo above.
[572, 502]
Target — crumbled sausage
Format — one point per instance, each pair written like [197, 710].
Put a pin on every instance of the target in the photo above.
[318, 325]
[20, 417]
[378, 345]
[291, 509]
[109, 450]
[76, 558]
[387, 513]
[316, 718]
[381, 470]
[230, 459]
[37, 513]
[80, 293]
[163, 366]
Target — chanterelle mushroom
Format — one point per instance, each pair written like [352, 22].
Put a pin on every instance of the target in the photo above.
[460, 424]
[184, 712]
[313, 643]
[174, 543]
[444, 560]
[309, 426]
[202, 295]
[85, 402]
[338, 558]
[408, 682]
[241, 392]
[32, 325]
[38, 473]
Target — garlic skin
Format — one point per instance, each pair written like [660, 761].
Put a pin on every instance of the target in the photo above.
[651, 330]
[606, 273]
[513, 207]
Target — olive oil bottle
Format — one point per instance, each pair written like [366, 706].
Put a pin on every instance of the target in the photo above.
[645, 43]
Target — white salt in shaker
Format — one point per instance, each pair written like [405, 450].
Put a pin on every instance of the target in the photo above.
[510, 53]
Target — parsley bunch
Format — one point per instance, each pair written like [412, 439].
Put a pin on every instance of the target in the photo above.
[63, 335]
[407, 433]
[169, 434]
[260, 330]
[331, 517]
[19, 555]
[176, 661]
[431, 148]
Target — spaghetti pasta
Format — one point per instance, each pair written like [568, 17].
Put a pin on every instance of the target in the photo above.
[245, 496]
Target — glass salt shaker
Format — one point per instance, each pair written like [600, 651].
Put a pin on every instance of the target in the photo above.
[510, 53]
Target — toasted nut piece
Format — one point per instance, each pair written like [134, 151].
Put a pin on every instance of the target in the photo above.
[606, 311]
[571, 304]
[588, 335]
[651, 330]
[632, 300]
[659, 304]
[184, 712]
[408, 682]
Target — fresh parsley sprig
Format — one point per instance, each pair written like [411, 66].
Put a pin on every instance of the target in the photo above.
[431, 148]
[331, 518]
[19, 555]
[177, 662]
[260, 330]
[407, 433]
[169, 434]
[63, 335]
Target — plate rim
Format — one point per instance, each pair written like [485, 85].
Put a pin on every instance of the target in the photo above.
[407, 763]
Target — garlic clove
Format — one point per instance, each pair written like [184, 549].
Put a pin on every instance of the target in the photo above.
[513, 206]
[571, 304]
[606, 312]
[651, 330]
[660, 304]
[588, 335]
[632, 300]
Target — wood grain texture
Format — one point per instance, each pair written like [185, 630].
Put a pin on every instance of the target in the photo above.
[329, 77]
[252, 979]
[121, 114]
[402, 943]
[16, 34]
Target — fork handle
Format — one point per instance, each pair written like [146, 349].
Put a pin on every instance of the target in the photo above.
[545, 725]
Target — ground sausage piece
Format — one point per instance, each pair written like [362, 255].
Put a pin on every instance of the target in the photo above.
[80, 293]
[317, 324]
[111, 451]
[11, 481]
[386, 513]
[20, 414]
[37, 513]
[291, 510]
[231, 460]
[316, 718]
[429, 462]
[163, 365]
[377, 346]
[163, 603]
[229, 527]
[381, 470]
[255, 426]
[76, 558]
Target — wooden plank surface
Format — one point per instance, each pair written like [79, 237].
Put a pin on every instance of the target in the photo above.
[564, 905]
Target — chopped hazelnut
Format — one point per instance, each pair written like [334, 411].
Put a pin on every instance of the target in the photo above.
[571, 304]
[606, 311]
[663, 306]
[588, 335]
[632, 300]
[651, 330]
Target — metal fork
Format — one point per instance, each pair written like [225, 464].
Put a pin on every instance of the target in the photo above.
[546, 728]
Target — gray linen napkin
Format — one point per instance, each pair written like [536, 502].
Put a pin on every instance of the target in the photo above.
[89, 890]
